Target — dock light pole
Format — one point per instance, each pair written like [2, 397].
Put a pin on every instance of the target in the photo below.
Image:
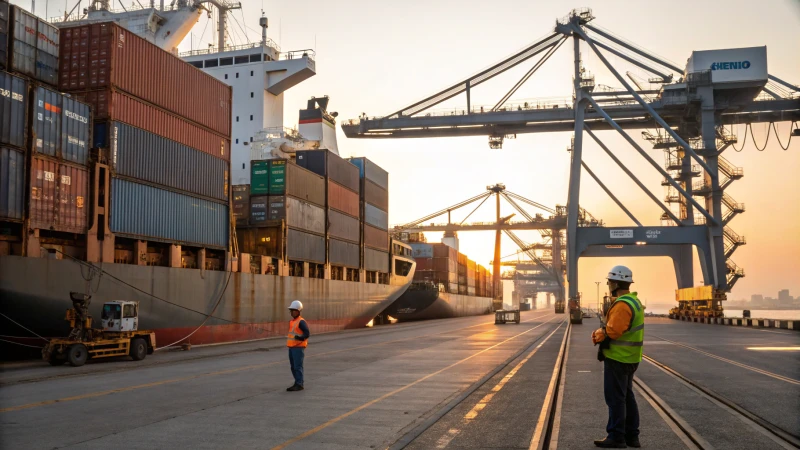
[598, 295]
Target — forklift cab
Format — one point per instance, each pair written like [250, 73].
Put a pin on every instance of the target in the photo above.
[120, 316]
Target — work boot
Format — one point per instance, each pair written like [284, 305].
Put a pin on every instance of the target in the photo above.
[610, 443]
[296, 387]
[633, 442]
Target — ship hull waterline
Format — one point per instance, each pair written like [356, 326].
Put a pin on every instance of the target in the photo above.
[430, 304]
[35, 293]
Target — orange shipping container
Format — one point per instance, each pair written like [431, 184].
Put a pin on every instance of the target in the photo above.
[114, 105]
[103, 55]
[58, 196]
[342, 199]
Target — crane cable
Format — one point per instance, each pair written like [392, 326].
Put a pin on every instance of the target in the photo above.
[772, 127]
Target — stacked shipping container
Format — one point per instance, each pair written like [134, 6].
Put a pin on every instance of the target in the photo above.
[442, 264]
[342, 187]
[55, 129]
[168, 148]
[374, 188]
[284, 193]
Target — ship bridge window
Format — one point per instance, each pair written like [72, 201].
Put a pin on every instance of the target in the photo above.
[237, 141]
[226, 61]
[251, 95]
[237, 74]
[255, 58]
[241, 60]
[198, 64]
[226, 76]
[402, 268]
[211, 62]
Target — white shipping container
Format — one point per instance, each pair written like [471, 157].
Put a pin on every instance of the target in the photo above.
[731, 65]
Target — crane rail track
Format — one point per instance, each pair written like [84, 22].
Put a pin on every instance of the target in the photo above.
[768, 429]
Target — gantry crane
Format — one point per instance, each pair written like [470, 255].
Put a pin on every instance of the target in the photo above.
[549, 227]
[689, 110]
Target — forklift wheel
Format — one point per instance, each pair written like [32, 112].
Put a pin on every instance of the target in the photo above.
[77, 355]
[138, 349]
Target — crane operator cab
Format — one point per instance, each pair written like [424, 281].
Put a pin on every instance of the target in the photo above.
[120, 315]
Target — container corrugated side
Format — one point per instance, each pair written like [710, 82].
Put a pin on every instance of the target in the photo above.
[12, 184]
[23, 41]
[445, 251]
[376, 217]
[304, 184]
[341, 253]
[371, 171]
[116, 106]
[342, 199]
[58, 196]
[376, 238]
[376, 260]
[61, 126]
[276, 176]
[139, 154]
[302, 246]
[301, 215]
[259, 177]
[331, 165]
[76, 130]
[116, 57]
[241, 203]
[342, 226]
[375, 195]
[148, 213]
[4, 16]
[3, 50]
[264, 241]
[13, 110]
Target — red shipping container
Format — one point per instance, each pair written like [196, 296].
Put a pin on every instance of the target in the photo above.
[444, 251]
[444, 265]
[108, 55]
[423, 264]
[114, 105]
[342, 199]
[376, 238]
[58, 196]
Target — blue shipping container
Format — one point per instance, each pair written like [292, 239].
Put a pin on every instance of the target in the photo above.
[371, 171]
[13, 110]
[376, 217]
[149, 213]
[12, 183]
[139, 154]
[61, 126]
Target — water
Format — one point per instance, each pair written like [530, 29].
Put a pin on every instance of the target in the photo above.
[778, 314]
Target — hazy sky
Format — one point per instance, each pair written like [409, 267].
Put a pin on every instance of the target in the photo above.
[376, 57]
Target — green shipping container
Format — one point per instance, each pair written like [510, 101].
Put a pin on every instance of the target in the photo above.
[277, 176]
[259, 177]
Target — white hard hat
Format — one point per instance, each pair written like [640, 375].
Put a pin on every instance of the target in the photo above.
[296, 305]
[620, 273]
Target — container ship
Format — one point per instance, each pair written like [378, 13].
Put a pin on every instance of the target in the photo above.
[446, 284]
[126, 172]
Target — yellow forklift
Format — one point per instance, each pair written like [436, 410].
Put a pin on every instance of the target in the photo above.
[119, 336]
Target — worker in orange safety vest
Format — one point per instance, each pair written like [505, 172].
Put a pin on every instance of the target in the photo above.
[297, 341]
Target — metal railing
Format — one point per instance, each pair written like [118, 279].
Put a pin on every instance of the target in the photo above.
[230, 48]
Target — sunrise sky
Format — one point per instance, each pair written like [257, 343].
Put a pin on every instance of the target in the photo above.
[376, 57]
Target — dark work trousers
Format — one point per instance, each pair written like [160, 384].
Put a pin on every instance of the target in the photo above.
[296, 355]
[623, 413]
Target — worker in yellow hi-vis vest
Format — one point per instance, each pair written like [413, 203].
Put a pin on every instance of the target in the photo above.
[621, 341]
[297, 341]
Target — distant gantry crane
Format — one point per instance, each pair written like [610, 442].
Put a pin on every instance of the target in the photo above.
[549, 227]
[686, 115]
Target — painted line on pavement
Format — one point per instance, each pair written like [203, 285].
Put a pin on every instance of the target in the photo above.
[396, 391]
[208, 374]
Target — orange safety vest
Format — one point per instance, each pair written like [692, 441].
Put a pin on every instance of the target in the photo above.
[294, 328]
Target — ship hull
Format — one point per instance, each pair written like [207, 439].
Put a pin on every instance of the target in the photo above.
[35, 293]
[431, 304]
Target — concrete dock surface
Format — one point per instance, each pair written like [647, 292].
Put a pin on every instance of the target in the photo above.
[454, 383]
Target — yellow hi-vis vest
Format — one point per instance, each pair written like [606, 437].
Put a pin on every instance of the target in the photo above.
[628, 347]
[294, 328]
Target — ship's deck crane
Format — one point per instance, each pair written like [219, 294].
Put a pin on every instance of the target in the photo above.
[690, 116]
